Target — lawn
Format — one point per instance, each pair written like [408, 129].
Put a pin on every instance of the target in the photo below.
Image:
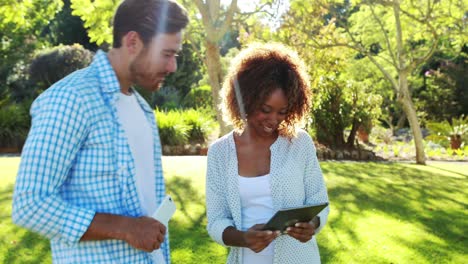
[380, 213]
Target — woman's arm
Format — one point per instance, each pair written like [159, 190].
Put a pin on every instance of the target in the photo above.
[314, 183]
[217, 210]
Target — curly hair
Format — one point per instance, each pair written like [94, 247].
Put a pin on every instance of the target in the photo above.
[259, 70]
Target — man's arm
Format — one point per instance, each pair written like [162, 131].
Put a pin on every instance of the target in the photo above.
[143, 233]
[59, 128]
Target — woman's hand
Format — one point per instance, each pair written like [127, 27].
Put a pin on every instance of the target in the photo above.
[302, 231]
[256, 239]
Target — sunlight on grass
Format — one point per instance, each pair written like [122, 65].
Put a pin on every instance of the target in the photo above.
[394, 213]
[380, 213]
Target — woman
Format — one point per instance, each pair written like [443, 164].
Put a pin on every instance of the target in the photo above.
[267, 163]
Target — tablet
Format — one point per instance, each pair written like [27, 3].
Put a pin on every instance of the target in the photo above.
[285, 218]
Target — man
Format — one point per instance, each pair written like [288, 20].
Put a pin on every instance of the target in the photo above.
[90, 170]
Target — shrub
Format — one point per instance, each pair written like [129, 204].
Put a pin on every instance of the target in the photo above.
[201, 125]
[454, 132]
[178, 127]
[172, 129]
[199, 97]
[53, 64]
[14, 125]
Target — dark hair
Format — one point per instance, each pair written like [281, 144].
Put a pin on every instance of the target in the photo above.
[259, 70]
[148, 18]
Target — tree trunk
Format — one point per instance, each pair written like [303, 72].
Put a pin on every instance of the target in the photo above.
[401, 121]
[405, 99]
[352, 134]
[213, 63]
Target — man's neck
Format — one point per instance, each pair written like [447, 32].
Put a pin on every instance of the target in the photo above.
[120, 65]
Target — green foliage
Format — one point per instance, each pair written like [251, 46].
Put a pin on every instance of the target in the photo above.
[190, 69]
[443, 92]
[166, 98]
[346, 93]
[201, 124]
[199, 97]
[19, 86]
[340, 101]
[67, 29]
[53, 64]
[443, 132]
[173, 131]
[28, 15]
[97, 16]
[14, 125]
[21, 24]
[179, 127]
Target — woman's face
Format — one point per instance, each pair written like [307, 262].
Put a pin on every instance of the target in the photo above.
[267, 118]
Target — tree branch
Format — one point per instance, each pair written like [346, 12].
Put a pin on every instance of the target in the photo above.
[399, 37]
[385, 72]
[435, 36]
[203, 8]
[387, 41]
[227, 22]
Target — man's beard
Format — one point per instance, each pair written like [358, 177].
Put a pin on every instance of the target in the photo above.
[139, 78]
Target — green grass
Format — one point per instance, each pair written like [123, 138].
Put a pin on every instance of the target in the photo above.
[380, 213]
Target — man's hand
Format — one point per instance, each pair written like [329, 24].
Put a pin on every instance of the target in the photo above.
[145, 233]
[301, 231]
[256, 239]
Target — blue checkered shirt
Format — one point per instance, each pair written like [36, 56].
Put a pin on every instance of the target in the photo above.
[76, 162]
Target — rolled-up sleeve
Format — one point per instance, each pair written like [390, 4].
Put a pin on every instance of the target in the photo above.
[59, 126]
[218, 213]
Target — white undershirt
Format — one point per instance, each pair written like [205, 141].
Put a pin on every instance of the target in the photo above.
[256, 208]
[140, 138]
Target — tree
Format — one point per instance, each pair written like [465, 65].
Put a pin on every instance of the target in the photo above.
[20, 25]
[215, 23]
[443, 93]
[345, 94]
[215, 26]
[67, 29]
[395, 36]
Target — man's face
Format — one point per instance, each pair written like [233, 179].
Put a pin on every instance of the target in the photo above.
[155, 61]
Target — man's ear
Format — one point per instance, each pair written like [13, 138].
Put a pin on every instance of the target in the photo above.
[132, 42]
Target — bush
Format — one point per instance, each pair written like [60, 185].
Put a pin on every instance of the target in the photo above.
[199, 97]
[14, 125]
[53, 64]
[178, 128]
[201, 125]
[172, 129]
[449, 132]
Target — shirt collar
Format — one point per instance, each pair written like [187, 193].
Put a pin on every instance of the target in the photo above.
[107, 76]
[109, 81]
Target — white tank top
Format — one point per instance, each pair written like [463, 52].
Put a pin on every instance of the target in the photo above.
[256, 208]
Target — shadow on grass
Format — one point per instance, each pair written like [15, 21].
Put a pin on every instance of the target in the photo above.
[19, 245]
[190, 242]
[405, 193]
